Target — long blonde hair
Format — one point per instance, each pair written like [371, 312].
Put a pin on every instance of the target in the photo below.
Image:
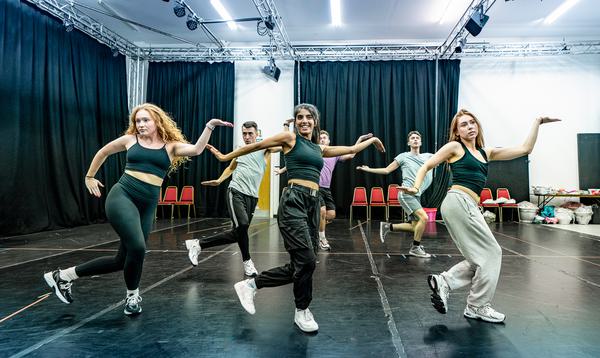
[453, 135]
[165, 126]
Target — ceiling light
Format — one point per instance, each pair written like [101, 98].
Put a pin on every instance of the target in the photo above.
[559, 11]
[336, 12]
[272, 71]
[223, 13]
[477, 21]
[179, 10]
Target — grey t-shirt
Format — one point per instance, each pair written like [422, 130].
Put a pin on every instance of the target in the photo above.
[410, 164]
[248, 174]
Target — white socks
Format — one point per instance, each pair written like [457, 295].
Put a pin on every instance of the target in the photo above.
[321, 234]
[135, 292]
[68, 274]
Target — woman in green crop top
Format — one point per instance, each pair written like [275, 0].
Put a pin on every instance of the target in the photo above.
[299, 209]
[483, 256]
[154, 147]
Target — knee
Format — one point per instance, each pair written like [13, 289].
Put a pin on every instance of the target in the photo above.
[242, 227]
[306, 267]
[137, 252]
[330, 215]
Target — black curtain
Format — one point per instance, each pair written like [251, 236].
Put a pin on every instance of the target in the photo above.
[389, 99]
[193, 93]
[63, 96]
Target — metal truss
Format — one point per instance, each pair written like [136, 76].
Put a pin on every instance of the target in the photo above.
[530, 49]
[282, 45]
[66, 11]
[459, 32]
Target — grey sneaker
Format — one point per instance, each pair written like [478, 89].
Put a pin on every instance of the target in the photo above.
[384, 229]
[194, 250]
[305, 321]
[132, 305]
[485, 313]
[62, 288]
[249, 269]
[441, 291]
[418, 251]
[324, 244]
[246, 295]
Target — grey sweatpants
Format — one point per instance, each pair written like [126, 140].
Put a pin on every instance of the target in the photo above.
[474, 239]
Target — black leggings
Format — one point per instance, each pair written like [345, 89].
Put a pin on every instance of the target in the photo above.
[130, 208]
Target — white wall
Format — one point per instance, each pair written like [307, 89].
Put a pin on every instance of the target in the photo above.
[267, 103]
[507, 94]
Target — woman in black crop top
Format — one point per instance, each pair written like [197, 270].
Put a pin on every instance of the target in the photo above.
[298, 214]
[154, 146]
[466, 225]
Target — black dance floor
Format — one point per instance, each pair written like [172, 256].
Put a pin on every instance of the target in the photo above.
[370, 300]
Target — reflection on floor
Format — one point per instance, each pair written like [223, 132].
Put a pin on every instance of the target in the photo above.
[370, 299]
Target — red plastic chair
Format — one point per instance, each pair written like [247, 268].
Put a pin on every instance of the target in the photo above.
[170, 198]
[392, 200]
[186, 198]
[486, 193]
[160, 202]
[503, 193]
[359, 198]
[377, 200]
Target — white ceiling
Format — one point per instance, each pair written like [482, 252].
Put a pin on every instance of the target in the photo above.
[364, 21]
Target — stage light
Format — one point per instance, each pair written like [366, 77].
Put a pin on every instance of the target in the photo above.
[272, 71]
[179, 10]
[477, 21]
[69, 25]
[191, 23]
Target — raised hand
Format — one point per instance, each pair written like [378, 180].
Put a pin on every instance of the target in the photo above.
[365, 137]
[213, 182]
[218, 122]
[220, 156]
[93, 186]
[378, 144]
[543, 120]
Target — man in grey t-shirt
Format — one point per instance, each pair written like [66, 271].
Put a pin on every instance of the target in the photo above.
[242, 196]
[409, 163]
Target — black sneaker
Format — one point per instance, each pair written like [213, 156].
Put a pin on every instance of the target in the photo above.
[132, 305]
[62, 288]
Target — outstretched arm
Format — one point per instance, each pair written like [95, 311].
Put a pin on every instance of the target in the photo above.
[523, 149]
[281, 139]
[445, 153]
[118, 145]
[190, 150]
[362, 138]
[384, 171]
[342, 150]
[226, 174]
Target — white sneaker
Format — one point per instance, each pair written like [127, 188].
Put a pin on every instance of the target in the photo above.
[384, 229]
[305, 321]
[418, 251]
[484, 313]
[249, 269]
[132, 305]
[194, 249]
[441, 291]
[246, 295]
[324, 244]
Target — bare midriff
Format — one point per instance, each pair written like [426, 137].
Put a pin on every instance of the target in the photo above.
[145, 177]
[468, 191]
[306, 183]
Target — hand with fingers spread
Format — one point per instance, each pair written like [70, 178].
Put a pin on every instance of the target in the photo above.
[93, 186]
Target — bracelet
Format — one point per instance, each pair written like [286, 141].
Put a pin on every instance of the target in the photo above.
[210, 126]
[89, 176]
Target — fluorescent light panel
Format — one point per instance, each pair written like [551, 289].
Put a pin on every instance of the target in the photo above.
[336, 12]
[559, 11]
[223, 13]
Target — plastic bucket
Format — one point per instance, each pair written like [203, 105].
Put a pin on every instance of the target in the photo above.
[527, 214]
[431, 214]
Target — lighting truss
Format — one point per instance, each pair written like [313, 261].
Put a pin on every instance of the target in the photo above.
[446, 50]
[530, 49]
[66, 10]
[281, 41]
